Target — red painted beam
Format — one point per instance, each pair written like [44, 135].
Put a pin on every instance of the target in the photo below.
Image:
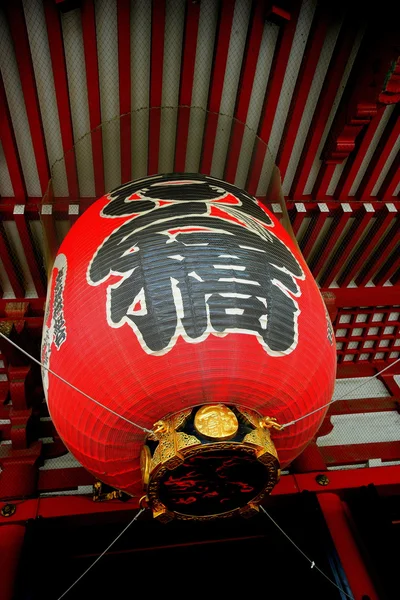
[341, 254]
[366, 247]
[356, 158]
[353, 454]
[246, 82]
[30, 255]
[271, 99]
[326, 99]
[156, 81]
[380, 256]
[63, 479]
[304, 81]
[389, 270]
[56, 46]
[320, 189]
[365, 405]
[336, 229]
[381, 155]
[19, 34]
[186, 83]
[11, 546]
[9, 267]
[314, 229]
[391, 180]
[93, 90]
[346, 546]
[10, 148]
[217, 83]
[124, 65]
[371, 296]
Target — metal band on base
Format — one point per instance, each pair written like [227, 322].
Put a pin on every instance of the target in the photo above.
[209, 462]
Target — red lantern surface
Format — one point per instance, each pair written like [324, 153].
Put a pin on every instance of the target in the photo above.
[173, 292]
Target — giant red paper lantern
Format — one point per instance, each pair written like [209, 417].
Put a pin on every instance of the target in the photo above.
[181, 298]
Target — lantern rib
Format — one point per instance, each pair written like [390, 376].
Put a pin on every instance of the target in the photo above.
[71, 385]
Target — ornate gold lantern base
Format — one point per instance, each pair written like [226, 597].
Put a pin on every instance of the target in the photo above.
[209, 462]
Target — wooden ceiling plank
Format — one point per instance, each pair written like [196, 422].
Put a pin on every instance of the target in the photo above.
[326, 99]
[342, 253]
[246, 82]
[156, 82]
[124, 67]
[31, 258]
[217, 83]
[345, 212]
[9, 267]
[56, 46]
[367, 247]
[354, 161]
[391, 181]
[93, 90]
[384, 249]
[190, 34]
[10, 149]
[309, 64]
[381, 155]
[19, 34]
[271, 99]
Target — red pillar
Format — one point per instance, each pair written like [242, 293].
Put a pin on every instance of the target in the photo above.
[356, 571]
[11, 542]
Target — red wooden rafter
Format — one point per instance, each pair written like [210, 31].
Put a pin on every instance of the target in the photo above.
[93, 89]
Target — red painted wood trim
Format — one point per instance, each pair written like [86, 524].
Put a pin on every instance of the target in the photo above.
[315, 229]
[349, 454]
[271, 99]
[56, 46]
[124, 64]
[156, 81]
[356, 158]
[9, 268]
[384, 148]
[391, 181]
[249, 65]
[304, 81]
[371, 296]
[346, 546]
[34, 268]
[368, 245]
[341, 255]
[93, 89]
[19, 34]
[217, 83]
[365, 405]
[10, 149]
[189, 47]
[11, 547]
[326, 99]
[320, 189]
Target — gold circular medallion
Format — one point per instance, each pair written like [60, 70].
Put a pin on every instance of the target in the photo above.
[216, 421]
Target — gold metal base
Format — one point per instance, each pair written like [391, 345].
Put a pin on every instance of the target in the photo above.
[209, 462]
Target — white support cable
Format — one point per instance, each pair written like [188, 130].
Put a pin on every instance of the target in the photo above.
[102, 554]
[341, 398]
[312, 563]
[71, 385]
